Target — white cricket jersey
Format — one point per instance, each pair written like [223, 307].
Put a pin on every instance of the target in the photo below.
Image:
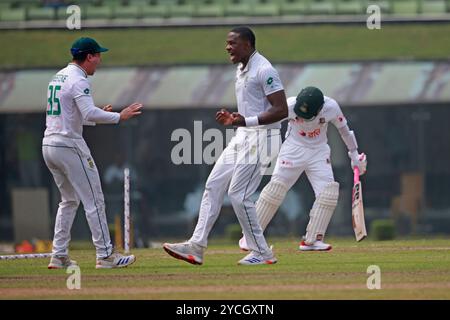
[253, 84]
[65, 114]
[313, 134]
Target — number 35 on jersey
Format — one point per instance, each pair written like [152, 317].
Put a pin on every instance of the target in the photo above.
[53, 103]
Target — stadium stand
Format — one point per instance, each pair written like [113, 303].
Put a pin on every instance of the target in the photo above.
[29, 10]
[363, 84]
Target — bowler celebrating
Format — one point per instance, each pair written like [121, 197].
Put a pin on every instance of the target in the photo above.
[261, 105]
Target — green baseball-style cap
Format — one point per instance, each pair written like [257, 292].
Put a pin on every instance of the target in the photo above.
[86, 45]
[309, 103]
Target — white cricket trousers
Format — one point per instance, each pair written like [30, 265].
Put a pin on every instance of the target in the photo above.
[76, 175]
[238, 171]
[294, 159]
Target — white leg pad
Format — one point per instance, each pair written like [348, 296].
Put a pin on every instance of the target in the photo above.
[269, 201]
[321, 212]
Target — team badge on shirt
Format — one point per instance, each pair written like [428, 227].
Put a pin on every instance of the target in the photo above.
[304, 108]
[322, 120]
[90, 162]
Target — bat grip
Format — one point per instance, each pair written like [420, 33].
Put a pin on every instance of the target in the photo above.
[355, 174]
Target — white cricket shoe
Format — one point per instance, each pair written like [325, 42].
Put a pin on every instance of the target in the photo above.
[61, 262]
[115, 260]
[254, 258]
[318, 245]
[243, 244]
[187, 251]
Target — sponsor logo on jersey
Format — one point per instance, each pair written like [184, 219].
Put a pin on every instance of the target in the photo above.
[311, 134]
[86, 91]
[314, 133]
[269, 81]
[322, 120]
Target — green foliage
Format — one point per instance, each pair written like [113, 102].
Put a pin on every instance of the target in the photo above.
[44, 48]
[382, 229]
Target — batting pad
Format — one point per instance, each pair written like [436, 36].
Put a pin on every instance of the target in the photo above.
[270, 199]
[321, 212]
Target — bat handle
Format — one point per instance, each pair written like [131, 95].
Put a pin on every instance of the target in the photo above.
[355, 174]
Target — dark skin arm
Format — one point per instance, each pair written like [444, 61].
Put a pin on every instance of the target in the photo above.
[277, 112]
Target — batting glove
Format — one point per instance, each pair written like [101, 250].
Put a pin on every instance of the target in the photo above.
[358, 160]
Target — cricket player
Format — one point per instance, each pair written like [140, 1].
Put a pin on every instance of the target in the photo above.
[306, 150]
[67, 156]
[261, 105]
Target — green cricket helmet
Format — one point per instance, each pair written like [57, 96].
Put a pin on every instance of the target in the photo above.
[309, 103]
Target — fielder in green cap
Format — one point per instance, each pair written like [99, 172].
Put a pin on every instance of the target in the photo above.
[70, 106]
[306, 150]
[86, 52]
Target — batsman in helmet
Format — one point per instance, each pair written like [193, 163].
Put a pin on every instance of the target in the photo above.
[305, 149]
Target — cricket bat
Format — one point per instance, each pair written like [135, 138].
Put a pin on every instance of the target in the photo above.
[359, 225]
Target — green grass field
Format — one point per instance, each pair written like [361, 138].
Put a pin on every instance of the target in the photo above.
[42, 48]
[410, 269]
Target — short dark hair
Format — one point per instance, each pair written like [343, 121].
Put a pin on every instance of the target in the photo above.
[245, 33]
[81, 56]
